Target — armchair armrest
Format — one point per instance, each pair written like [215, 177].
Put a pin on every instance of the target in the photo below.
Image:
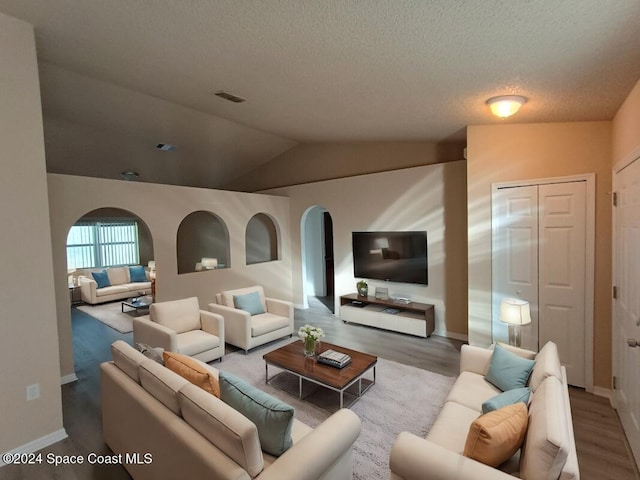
[475, 359]
[88, 288]
[414, 458]
[213, 323]
[237, 324]
[154, 334]
[279, 307]
[317, 452]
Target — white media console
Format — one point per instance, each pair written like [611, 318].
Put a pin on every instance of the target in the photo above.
[412, 318]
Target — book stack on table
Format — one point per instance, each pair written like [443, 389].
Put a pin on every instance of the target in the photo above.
[335, 359]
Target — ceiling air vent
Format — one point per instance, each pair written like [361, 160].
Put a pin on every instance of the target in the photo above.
[166, 147]
[229, 96]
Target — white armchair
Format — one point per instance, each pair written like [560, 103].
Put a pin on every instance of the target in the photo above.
[180, 326]
[271, 320]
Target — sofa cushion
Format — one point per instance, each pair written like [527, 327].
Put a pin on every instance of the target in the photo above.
[547, 365]
[272, 417]
[118, 275]
[249, 302]
[196, 341]
[127, 359]
[178, 315]
[161, 383]
[267, 322]
[508, 370]
[101, 278]
[224, 427]
[451, 427]
[298, 431]
[471, 390]
[495, 437]
[227, 296]
[547, 443]
[112, 290]
[154, 353]
[192, 371]
[137, 274]
[521, 352]
[507, 398]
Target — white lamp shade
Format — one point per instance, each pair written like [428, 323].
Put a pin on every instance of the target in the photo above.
[152, 265]
[515, 312]
[209, 263]
[506, 105]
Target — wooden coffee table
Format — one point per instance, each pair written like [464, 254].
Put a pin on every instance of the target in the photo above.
[290, 358]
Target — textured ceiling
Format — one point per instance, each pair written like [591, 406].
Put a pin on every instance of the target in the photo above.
[347, 70]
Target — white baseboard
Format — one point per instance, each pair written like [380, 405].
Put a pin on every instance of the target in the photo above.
[452, 335]
[39, 443]
[68, 378]
[602, 392]
[299, 306]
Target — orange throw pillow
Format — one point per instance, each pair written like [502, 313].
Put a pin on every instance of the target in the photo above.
[191, 370]
[493, 438]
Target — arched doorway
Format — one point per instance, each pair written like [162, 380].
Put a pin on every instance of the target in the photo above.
[318, 275]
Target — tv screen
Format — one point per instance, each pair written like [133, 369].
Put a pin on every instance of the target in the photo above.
[391, 256]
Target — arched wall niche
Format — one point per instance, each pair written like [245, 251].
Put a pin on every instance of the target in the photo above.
[262, 239]
[202, 243]
[145, 240]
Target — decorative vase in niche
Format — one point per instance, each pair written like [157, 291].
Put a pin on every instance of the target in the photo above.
[309, 347]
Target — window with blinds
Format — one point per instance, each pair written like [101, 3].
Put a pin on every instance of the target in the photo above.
[103, 244]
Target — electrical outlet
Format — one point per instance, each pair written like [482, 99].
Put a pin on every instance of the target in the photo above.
[33, 391]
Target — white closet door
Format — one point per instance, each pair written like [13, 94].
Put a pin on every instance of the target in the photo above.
[627, 305]
[562, 272]
[515, 254]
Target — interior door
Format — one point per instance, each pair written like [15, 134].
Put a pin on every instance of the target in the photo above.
[627, 304]
[562, 272]
[515, 257]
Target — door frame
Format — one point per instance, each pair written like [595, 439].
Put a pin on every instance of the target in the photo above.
[590, 179]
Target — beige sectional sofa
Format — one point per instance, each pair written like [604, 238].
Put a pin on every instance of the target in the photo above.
[121, 286]
[548, 451]
[189, 433]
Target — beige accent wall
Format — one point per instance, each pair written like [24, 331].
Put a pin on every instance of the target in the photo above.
[626, 128]
[162, 208]
[28, 329]
[307, 163]
[500, 153]
[431, 198]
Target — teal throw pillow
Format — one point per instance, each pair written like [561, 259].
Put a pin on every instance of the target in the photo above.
[272, 417]
[506, 398]
[101, 278]
[507, 370]
[249, 302]
[137, 274]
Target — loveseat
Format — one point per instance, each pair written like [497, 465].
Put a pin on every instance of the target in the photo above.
[548, 451]
[120, 285]
[189, 433]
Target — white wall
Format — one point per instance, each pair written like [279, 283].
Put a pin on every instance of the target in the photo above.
[162, 208]
[28, 332]
[409, 199]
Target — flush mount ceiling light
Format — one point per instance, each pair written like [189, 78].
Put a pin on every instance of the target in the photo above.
[129, 175]
[504, 106]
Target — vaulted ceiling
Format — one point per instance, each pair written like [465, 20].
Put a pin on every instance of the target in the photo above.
[132, 73]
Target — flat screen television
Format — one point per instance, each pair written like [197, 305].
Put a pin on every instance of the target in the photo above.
[392, 256]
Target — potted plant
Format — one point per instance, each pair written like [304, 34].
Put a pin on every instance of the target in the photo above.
[363, 288]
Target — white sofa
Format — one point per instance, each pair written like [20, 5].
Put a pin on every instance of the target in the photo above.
[548, 451]
[247, 331]
[189, 433]
[121, 285]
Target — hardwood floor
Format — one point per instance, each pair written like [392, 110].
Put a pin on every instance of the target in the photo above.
[602, 450]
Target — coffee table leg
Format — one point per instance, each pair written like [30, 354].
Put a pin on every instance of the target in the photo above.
[300, 387]
[266, 373]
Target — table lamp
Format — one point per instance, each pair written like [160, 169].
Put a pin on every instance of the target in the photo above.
[209, 263]
[515, 313]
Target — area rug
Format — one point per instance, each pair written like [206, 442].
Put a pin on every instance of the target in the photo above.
[404, 398]
[111, 314]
